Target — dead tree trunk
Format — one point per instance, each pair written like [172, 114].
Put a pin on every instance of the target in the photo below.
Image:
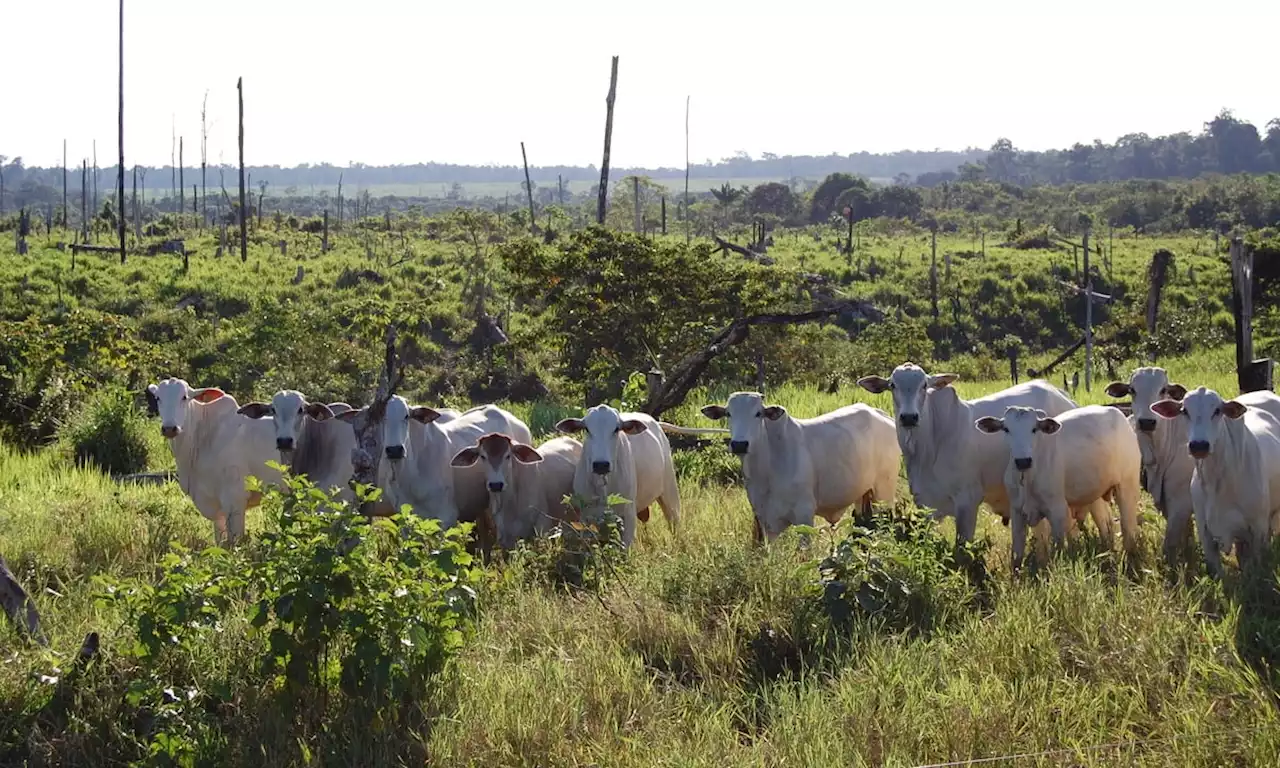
[608, 140]
[244, 237]
[933, 272]
[66, 212]
[19, 606]
[120, 216]
[137, 220]
[635, 191]
[1157, 274]
[664, 214]
[528, 188]
[84, 199]
[685, 376]
[182, 185]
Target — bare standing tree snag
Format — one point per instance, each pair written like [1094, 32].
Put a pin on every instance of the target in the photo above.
[339, 201]
[608, 140]
[635, 188]
[684, 377]
[137, 226]
[688, 234]
[173, 158]
[1157, 275]
[244, 240]
[367, 423]
[204, 160]
[95, 207]
[65, 215]
[120, 175]
[528, 186]
[182, 184]
[20, 608]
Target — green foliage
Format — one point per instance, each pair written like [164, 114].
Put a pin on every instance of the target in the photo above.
[577, 555]
[773, 199]
[710, 464]
[898, 571]
[823, 203]
[110, 433]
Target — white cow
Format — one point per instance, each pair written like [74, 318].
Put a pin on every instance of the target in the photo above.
[310, 440]
[797, 468]
[1077, 459]
[419, 447]
[1165, 458]
[625, 454]
[527, 486]
[1235, 487]
[215, 450]
[951, 466]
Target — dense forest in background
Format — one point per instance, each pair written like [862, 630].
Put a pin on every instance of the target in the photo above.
[1225, 145]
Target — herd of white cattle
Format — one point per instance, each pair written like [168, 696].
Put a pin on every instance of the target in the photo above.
[1039, 460]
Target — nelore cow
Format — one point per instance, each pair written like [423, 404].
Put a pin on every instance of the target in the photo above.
[419, 444]
[527, 485]
[1078, 459]
[1235, 486]
[951, 466]
[215, 450]
[798, 468]
[625, 454]
[1165, 458]
[310, 440]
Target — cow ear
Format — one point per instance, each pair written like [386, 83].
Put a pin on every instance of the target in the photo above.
[256, 410]
[1233, 410]
[153, 402]
[943, 380]
[465, 457]
[989, 424]
[632, 426]
[714, 412]
[874, 384]
[208, 395]
[525, 454]
[569, 426]
[319, 411]
[1119, 389]
[774, 412]
[1175, 391]
[424, 414]
[1167, 408]
[1048, 426]
[349, 417]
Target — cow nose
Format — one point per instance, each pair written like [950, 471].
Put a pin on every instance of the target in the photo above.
[739, 447]
[1198, 448]
[1022, 464]
[284, 443]
[395, 452]
[496, 487]
[909, 419]
[168, 431]
[1147, 425]
[600, 467]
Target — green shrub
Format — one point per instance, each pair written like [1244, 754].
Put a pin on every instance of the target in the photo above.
[711, 464]
[110, 433]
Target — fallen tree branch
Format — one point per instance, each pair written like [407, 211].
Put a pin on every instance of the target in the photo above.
[725, 245]
[21, 609]
[686, 374]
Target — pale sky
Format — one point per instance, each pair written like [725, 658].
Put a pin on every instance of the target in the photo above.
[398, 81]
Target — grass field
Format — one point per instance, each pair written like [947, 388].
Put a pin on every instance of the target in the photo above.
[698, 649]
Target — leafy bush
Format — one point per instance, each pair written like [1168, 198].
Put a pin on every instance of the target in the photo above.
[711, 464]
[579, 556]
[897, 570]
[109, 433]
[353, 618]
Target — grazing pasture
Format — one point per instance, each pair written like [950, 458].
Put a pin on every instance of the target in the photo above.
[831, 645]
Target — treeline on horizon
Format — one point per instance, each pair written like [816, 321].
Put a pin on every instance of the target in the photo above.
[1225, 145]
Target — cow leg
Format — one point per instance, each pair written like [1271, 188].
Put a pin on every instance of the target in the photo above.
[1202, 506]
[235, 525]
[1018, 530]
[1177, 528]
[1127, 499]
[757, 533]
[1100, 511]
[1042, 533]
[966, 519]
[1058, 515]
[219, 529]
[627, 512]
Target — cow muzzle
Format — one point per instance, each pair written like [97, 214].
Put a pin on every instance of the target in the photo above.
[1198, 448]
[1147, 425]
[600, 467]
[739, 447]
[497, 487]
[1022, 465]
[395, 452]
[169, 432]
[909, 420]
[284, 444]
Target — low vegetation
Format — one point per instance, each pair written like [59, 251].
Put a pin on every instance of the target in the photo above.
[329, 640]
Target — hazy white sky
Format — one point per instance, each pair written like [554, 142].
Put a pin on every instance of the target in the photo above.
[403, 81]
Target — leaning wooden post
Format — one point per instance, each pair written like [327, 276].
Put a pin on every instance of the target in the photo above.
[528, 187]
[608, 139]
[244, 238]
